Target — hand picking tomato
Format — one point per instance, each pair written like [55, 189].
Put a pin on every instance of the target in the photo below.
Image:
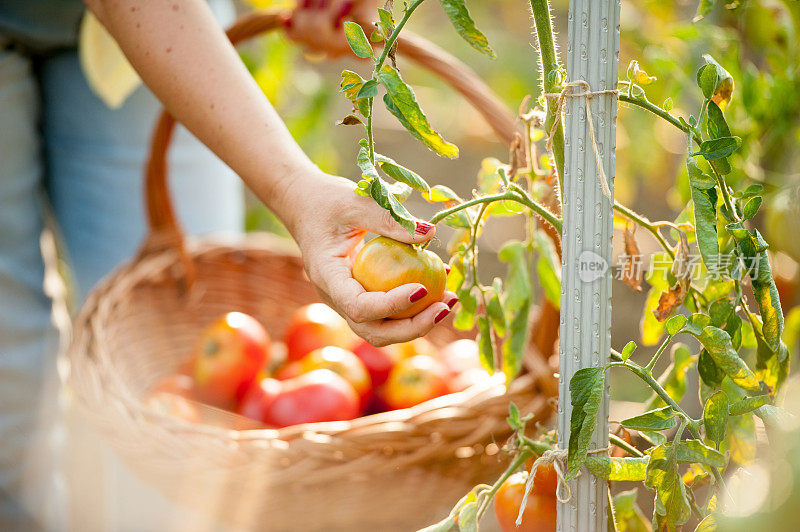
[379, 361]
[413, 381]
[546, 480]
[313, 327]
[258, 399]
[460, 356]
[320, 395]
[540, 508]
[343, 362]
[383, 264]
[228, 357]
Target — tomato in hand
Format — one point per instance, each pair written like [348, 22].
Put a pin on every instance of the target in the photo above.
[343, 362]
[383, 264]
[320, 395]
[228, 358]
[314, 327]
[540, 508]
[413, 381]
[379, 361]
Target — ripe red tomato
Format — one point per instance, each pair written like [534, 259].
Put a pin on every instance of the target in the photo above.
[313, 327]
[258, 398]
[383, 264]
[470, 377]
[343, 362]
[320, 395]
[460, 356]
[228, 357]
[379, 361]
[546, 480]
[413, 381]
[289, 371]
[540, 508]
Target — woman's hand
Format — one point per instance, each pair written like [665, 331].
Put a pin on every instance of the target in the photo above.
[328, 221]
[318, 23]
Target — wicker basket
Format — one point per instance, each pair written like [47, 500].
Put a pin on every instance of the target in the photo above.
[396, 470]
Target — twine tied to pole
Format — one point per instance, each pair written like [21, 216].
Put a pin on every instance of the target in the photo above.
[587, 94]
[557, 457]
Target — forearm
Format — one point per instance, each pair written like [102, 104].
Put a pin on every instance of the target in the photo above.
[183, 56]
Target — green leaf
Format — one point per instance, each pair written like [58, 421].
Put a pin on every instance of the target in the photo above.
[459, 16]
[516, 302]
[357, 40]
[719, 148]
[659, 419]
[494, 309]
[709, 522]
[775, 416]
[465, 315]
[442, 194]
[401, 173]
[652, 329]
[586, 391]
[445, 525]
[697, 178]
[710, 373]
[715, 417]
[368, 90]
[351, 84]
[628, 350]
[485, 347]
[402, 103]
[718, 344]
[748, 404]
[720, 311]
[751, 207]
[383, 196]
[468, 518]
[674, 378]
[668, 105]
[368, 169]
[548, 268]
[753, 250]
[752, 190]
[705, 223]
[628, 517]
[716, 126]
[695, 451]
[610, 468]
[741, 439]
[671, 503]
[714, 80]
[696, 323]
[513, 418]
[703, 9]
[675, 324]
[456, 277]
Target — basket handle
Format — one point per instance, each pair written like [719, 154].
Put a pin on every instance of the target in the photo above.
[164, 230]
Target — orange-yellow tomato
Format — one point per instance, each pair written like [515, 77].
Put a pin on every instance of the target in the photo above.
[383, 264]
[314, 327]
[546, 479]
[343, 362]
[413, 381]
[540, 508]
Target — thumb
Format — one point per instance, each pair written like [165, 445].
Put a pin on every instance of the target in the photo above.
[380, 221]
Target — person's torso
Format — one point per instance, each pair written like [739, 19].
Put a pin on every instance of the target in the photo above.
[41, 25]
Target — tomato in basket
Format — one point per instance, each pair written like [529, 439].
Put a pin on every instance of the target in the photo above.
[343, 362]
[384, 263]
[320, 395]
[227, 359]
[413, 381]
[417, 346]
[379, 361]
[314, 327]
[460, 356]
[470, 377]
[540, 508]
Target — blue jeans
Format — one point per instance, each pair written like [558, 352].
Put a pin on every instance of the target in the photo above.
[58, 142]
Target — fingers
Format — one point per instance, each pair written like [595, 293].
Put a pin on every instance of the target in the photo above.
[379, 221]
[386, 332]
[450, 299]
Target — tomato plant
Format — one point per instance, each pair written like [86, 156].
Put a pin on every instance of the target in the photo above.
[720, 315]
[540, 508]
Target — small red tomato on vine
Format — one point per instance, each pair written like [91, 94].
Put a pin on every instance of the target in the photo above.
[546, 480]
[540, 508]
[383, 264]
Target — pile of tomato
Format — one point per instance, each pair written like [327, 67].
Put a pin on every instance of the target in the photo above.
[319, 372]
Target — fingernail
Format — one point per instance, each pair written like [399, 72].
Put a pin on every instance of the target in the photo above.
[447, 269]
[287, 23]
[442, 315]
[306, 4]
[423, 228]
[418, 294]
[452, 302]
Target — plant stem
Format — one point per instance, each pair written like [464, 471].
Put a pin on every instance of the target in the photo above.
[387, 47]
[644, 103]
[625, 446]
[512, 468]
[547, 61]
[511, 195]
[644, 222]
[370, 138]
[650, 365]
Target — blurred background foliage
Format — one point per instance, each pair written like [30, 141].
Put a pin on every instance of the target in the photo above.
[757, 41]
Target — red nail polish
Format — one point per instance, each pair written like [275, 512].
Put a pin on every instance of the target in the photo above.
[452, 302]
[442, 315]
[423, 228]
[418, 294]
[447, 269]
[287, 23]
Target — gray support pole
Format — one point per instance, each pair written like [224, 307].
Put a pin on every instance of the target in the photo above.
[592, 56]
